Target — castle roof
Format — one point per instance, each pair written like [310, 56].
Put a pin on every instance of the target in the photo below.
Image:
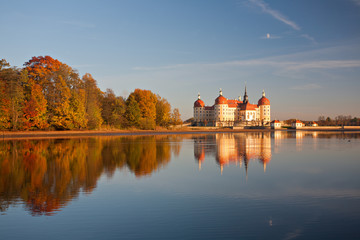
[221, 100]
[233, 103]
[263, 101]
[199, 103]
[248, 106]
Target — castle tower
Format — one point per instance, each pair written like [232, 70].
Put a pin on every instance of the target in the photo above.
[264, 105]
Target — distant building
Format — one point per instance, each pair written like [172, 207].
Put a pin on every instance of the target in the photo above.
[313, 124]
[229, 112]
[276, 124]
[297, 124]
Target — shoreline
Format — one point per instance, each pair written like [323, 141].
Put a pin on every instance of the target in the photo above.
[93, 133]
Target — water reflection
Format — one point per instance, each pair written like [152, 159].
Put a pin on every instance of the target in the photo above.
[46, 174]
[235, 149]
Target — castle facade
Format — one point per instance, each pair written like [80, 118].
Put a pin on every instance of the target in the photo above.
[232, 112]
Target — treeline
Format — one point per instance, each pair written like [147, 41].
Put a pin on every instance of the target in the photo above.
[47, 94]
[339, 120]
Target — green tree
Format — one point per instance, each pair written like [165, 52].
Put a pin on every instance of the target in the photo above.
[132, 113]
[118, 119]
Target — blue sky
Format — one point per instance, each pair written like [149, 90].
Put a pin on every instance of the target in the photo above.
[304, 53]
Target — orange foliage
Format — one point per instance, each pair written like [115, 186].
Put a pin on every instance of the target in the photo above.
[39, 68]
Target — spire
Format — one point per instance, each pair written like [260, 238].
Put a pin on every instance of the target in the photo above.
[263, 94]
[198, 95]
[220, 92]
[246, 99]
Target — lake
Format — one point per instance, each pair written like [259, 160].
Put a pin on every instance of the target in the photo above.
[254, 185]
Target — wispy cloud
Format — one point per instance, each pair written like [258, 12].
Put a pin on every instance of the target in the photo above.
[308, 37]
[271, 62]
[325, 64]
[78, 24]
[275, 14]
[306, 87]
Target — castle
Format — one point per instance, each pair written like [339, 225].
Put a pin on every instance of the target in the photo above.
[228, 112]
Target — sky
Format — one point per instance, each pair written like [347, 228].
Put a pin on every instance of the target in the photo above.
[305, 54]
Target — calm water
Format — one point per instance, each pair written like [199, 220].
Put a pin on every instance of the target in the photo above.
[280, 185]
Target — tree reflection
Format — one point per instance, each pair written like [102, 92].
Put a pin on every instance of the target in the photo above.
[46, 174]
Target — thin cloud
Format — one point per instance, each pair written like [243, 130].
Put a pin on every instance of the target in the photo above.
[78, 24]
[325, 64]
[275, 14]
[271, 62]
[306, 87]
[308, 37]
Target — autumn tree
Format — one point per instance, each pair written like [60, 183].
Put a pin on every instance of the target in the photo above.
[39, 90]
[113, 109]
[92, 102]
[147, 104]
[62, 90]
[4, 100]
[176, 117]
[163, 112]
[12, 98]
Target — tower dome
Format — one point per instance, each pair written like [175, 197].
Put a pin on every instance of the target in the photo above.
[220, 99]
[263, 100]
[199, 102]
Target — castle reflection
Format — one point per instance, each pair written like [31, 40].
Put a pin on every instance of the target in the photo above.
[239, 149]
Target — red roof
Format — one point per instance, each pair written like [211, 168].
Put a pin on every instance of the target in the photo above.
[233, 103]
[263, 101]
[298, 121]
[199, 103]
[221, 100]
[275, 121]
[248, 106]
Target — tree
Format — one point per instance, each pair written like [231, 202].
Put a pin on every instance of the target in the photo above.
[163, 112]
[147, 103]
[92, 102]
[176, 117]
[12, 98]
[132, 113]
[108, 103]
[117, 118]
[35, 108]
[40, 70]
[40, 91]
